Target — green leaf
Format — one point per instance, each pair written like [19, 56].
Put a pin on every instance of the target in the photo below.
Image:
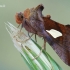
[43, 62]
[55, 66]
[29, 61]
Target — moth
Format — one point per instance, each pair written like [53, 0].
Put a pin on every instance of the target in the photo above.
[36, 23]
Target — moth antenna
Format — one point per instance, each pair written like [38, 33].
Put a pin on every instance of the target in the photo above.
[35, 38]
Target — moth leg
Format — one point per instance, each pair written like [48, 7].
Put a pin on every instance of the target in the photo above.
[18, 26]
[35, 38]
[29, 37]
[44, 46]
[28, 34]
[20, 40]
[38, 54]
[25, 47]
[32, 35]
[16, 37]
[20, 29]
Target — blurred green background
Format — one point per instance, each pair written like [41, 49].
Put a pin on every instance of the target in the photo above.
[10, 58]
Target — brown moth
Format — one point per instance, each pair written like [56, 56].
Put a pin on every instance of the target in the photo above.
[34, 22]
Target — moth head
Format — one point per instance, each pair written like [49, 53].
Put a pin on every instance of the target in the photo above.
[19, 17]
